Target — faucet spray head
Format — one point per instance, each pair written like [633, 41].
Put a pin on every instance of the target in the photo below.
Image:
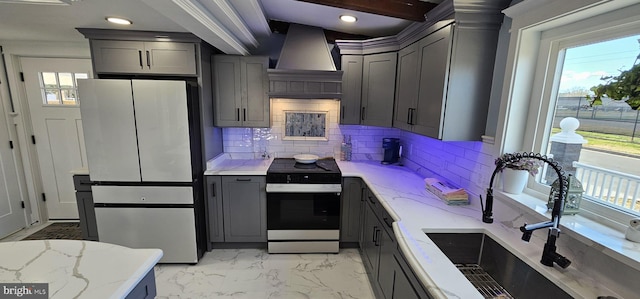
[487, 214]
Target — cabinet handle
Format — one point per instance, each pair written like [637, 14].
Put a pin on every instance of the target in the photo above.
[243, 180]
[377, 241]
[375, 234]
[408, 116]
[362, 196]
[213, 187]
[362, 114]
[140, 56]
[411, 117]
[244, 114]
[148, 60]
[238, 114]
[342, 112]
[386, 221]
[371, 200]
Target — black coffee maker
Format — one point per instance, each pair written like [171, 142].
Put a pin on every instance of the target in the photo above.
[391, 148]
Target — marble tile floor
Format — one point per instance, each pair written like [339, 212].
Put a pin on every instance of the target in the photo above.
[255, 274]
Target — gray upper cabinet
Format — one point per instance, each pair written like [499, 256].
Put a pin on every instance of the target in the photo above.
[245, 208]
[241, 91]
[378, 89]
[454, 84]
[434, 52]
[406, 87]
[351, 89]
[143, 57]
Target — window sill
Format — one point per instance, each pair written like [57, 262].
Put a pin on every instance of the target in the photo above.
[581, 228]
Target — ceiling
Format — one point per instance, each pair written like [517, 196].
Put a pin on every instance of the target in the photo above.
[233, 26]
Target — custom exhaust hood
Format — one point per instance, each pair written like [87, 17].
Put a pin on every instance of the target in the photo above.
[305, 69]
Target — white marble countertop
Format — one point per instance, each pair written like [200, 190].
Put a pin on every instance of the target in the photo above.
[76, 269]
[79, 171]
[416, 211]
[225, 165]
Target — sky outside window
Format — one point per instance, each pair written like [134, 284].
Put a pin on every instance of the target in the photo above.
[585, 65]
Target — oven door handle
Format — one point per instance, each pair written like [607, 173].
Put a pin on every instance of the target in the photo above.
[304, 188]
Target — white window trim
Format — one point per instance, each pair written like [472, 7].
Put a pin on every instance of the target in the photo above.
[537, 35]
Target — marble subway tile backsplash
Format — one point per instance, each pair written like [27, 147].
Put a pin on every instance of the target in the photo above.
[252, 143]
[467, 164]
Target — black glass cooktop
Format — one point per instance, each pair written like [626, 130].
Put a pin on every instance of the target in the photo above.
[287, 170]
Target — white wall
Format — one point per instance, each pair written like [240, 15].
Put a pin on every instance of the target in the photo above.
[26, 161]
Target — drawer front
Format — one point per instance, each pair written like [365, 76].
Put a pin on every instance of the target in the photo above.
[142, 195]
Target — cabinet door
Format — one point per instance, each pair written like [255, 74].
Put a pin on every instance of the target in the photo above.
[371, 248]
[434, 72]
[386, 263]
[170, 58]
[378, 89]
[351, 89]
[227, 90]
[255, 100]
[406, 87]
[87, 215]
[405, 284]
[351, 201]
[111, 56]
[245, 211]
[214, 208]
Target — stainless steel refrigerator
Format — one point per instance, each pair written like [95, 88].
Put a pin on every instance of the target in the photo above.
[144, 154]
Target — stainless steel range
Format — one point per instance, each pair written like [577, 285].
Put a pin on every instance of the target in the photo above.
[303, 206]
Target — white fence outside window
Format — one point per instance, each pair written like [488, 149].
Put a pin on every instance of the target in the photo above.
[613, 188]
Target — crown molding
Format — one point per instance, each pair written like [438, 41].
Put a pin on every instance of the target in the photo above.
[466, 14]
[224, 9]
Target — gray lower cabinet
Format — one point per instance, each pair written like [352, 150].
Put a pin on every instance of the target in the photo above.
[389, 274]
[352, 201]
[241, 88]
[86, 211]
[215, 212]
[378, 89]
[244, 202]
[143, 57]
[145, 289]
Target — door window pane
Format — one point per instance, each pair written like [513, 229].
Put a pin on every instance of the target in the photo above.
[66, 80]
[49, 80]
[60, 88]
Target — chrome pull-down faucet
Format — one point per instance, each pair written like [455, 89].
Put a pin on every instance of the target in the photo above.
[549, 254]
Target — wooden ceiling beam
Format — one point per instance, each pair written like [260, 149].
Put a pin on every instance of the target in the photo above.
[331, 36]
[412, 10]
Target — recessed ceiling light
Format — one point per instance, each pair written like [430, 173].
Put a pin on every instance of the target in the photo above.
[119, 21]
[348, 19]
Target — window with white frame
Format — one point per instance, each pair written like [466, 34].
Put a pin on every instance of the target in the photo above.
[60, 88]
[571, 60]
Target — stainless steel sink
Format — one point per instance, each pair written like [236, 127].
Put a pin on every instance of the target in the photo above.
[492, 269]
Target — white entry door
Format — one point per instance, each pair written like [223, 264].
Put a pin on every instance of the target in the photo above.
[12, 216]
[51, 89]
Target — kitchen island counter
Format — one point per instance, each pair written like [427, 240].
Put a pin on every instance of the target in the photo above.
[416, 211]
[77, 269]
